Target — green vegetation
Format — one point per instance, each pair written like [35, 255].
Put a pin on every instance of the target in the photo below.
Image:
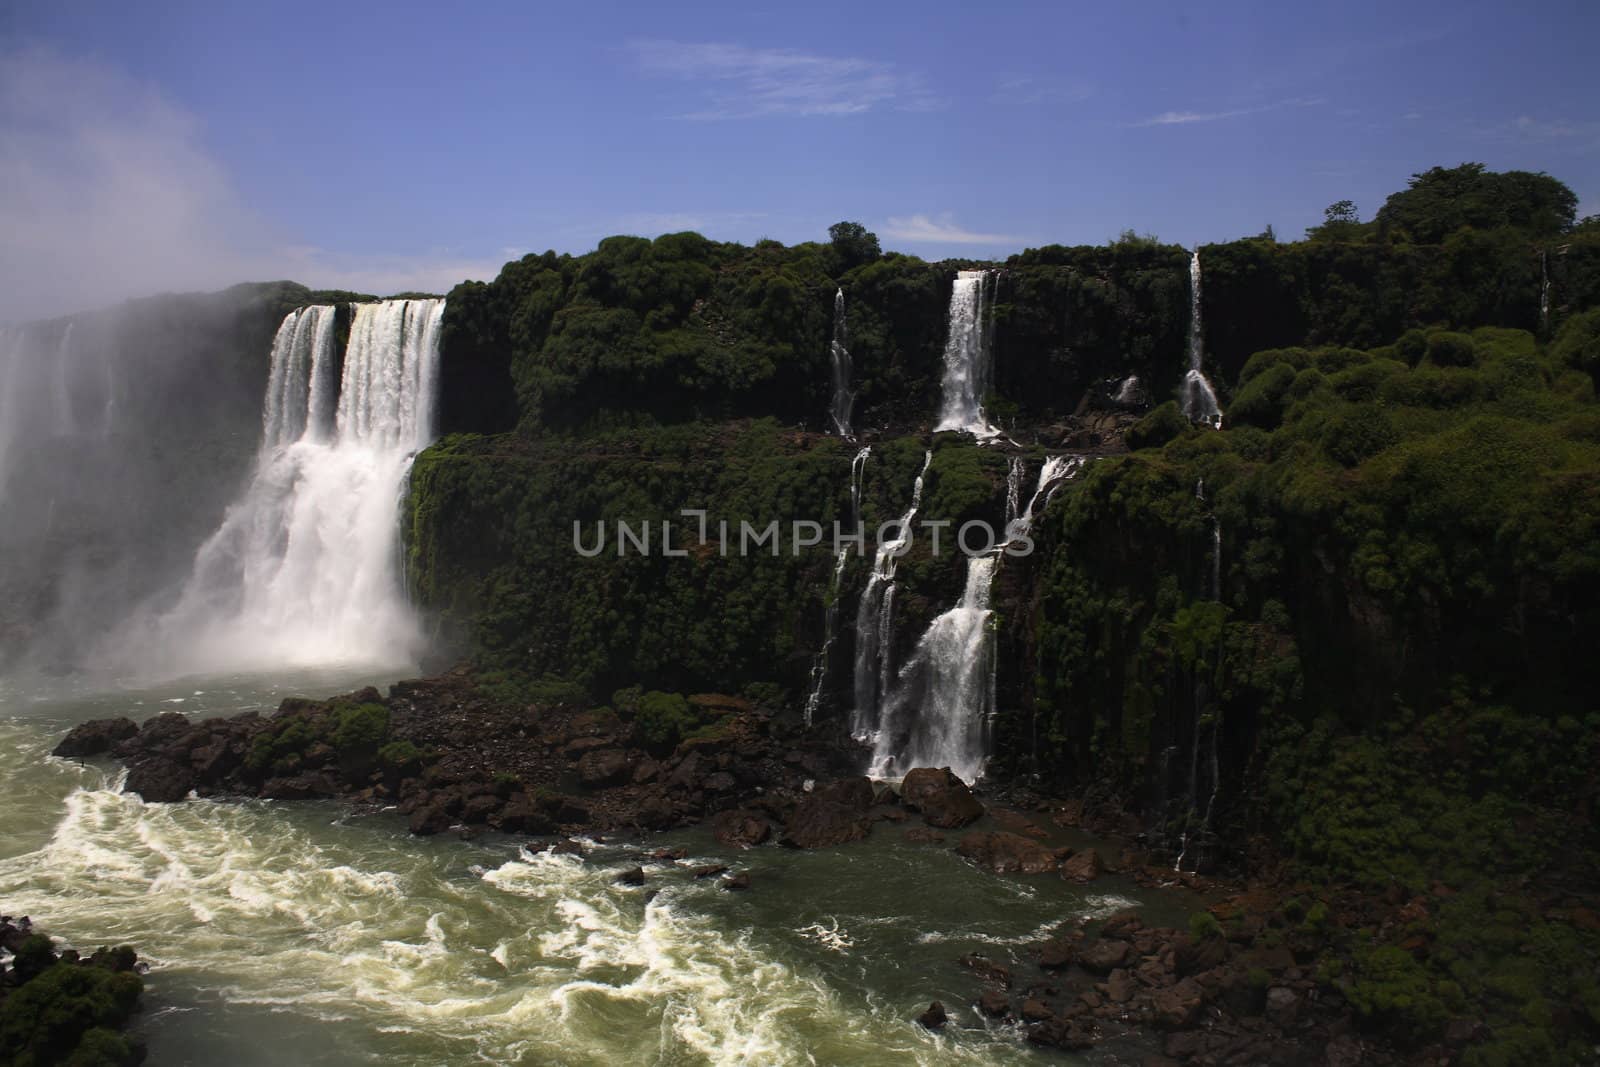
[65, 1011]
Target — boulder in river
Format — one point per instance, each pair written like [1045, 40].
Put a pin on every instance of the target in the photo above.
[934, 1018]
[818, 822]
[943, 799]
[1006, 853]
[95, 737]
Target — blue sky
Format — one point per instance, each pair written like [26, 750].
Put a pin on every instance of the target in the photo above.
[400, 145]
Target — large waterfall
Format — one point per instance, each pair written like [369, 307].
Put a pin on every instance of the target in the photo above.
[843, 399]
[304, 568]
[1199, 399]
[966, 358]
[875, 617]
[938, 712]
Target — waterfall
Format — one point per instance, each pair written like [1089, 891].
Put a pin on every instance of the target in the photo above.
[304, 567]
[1199, 399]
[843, 399]
[1544, 292]
[875, 617]
[939, 711]
[966, 358]
[830, 617]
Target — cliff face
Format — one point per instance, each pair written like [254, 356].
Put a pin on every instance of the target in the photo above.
[1382, 535]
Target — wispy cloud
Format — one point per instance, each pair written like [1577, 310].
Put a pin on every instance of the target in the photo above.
[1534, 129]
[943, 230]
[1184, 118]
[741, 82]
[1028, 91]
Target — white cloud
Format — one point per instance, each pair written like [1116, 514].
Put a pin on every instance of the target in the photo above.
[745, 82]
[1534, 129]
[943, 230]
[111, 193]
[1183, 118]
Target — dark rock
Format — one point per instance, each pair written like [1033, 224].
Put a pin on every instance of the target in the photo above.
[1120, 986]
[1283, 1005]
[1060, 1033]
[943, 799]
[308, 786]
[1104, 955]
[854, 792]
[922, 835]
[1177, 1006]
[721, 782]
[740, 828]
[93, 738]
[602, 767]
[566, 847]
[987, 969]
[934, 1018]
[1193, 957]
[710, 870]
[160, 779]
[521, 816]
[1060, 950]
[669, 856]
[1035, 1010]
[570, 811]
[817, 822]
[1006, 853]
[430, 819]
[158, 733]
[1017, 823]
[1082, 868]
[737, 881]
[994, 1003]
[631, 876]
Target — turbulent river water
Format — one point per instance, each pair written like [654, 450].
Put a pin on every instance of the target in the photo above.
[302, 933]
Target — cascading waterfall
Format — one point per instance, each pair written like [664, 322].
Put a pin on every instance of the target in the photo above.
[875, 618]
[1200, 725]
[966, 358]
[844, 400]
[303, 570]
[938, 713]
[819, 667]
[1199, 399]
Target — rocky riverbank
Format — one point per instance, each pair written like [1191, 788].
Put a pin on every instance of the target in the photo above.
[1268, 971]
[57, 1006]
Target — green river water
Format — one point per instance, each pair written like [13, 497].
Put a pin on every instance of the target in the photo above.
[298, 933]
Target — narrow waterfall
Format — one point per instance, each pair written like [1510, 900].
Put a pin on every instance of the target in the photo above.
[966, 358]
[304, 568]
[875, 618]
[1199, 399]
[844, 400]
[939, 710]
[830, 618]
[1544, 292]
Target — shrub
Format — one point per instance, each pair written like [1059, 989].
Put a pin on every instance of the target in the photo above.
[1157, 428]
[664, 719]
[1447, 349]
[360, 726]
[1260, 401]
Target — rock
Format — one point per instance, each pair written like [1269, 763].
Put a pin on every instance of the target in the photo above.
[1120, 986]
[1343, 1051]
[566, 847]
[737, 881]
[922, 835]
[854, 792]
[1104, 955]
[1194, 957]
[1122, 924]
[479, 808]
[994, 1003]
[669, 856]
[1060, 1033]
[1035, 1010]
[603, 766]
[521, 816]
[1017, 823]
[631, 876]
[1060, 950]
[307, 786]
[1006, 853]
[430, 819]
[740, 828]
[158, 733]
[710, 870]
[943, 799]
[934, 1018]
[93, 738]
[160, 779]
[648, 770]
[818, 822]
[1082, 868]
[1283, 1004]
[987, 969]
[721, 782]
[1177, 1006]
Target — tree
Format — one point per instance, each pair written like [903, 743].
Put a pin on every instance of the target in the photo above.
[1340, 222]
[1341, 211]
[1440, 201]
[853, 244]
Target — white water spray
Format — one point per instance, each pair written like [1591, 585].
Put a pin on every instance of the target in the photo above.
[819, 667]
[966, 358]
[304, 568]
[1199, 399]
